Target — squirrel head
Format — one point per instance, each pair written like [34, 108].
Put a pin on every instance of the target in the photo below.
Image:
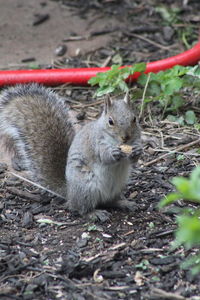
[120, 120]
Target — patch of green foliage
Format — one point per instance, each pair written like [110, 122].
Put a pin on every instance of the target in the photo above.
[114, 79]
[170, 15]
[166, 87]
[189, 118]
[188, 232]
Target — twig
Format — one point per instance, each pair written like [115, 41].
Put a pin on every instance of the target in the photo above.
[148, 41]
[36, 184]
[87, 37]
[144, 94]
[151, 250]
[182, 147]
[106, 62]
[75, 38]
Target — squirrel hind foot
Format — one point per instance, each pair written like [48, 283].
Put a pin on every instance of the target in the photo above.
[126, 205]
[99, 215]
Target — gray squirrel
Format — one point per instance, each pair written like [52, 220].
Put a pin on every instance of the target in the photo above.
[88, 168]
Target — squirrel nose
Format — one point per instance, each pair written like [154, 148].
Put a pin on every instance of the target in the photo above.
[125, 138]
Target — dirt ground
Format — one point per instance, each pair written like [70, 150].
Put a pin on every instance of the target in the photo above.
[22, 39]
[48, 253]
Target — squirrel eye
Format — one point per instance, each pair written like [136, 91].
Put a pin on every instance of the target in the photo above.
[110, 121]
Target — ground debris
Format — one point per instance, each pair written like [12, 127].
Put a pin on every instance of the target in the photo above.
[48, 253]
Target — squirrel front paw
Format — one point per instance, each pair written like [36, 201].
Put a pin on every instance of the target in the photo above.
[117, 154]
[136, 152]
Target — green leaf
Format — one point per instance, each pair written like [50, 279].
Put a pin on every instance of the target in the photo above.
[170, 198]
[171, 118]
[140, 67]
[182, 184]
[194, 71]
[142, 79]
[113, 80]
[190, 117]
[50, 222]
[34, 66]
[123, 86]
[188, 232]
[164, 12]
[117, 59]
[155, 278]
[177, 102]
[104, 90]
[170, 15]
[172, 85]
[180, 157]
[154, 88]
[188, 189]
[96, 79]
[144, 264]
[193, 263]
[179, 120]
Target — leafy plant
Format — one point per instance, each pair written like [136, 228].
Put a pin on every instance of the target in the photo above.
[188, 232]
[169, 15]
[172, 15]
[166, 87]
[187, 189]
[114, 79]
[189, 118]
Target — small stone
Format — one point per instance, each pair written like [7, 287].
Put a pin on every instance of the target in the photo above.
[85, 235]
[168, 33]
[28, 237]
[133, 195]
[27, 219]
[82, 243]
[40, 18]
[28, 59]
[60, 50]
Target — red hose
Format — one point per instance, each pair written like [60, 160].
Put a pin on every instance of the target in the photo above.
[82, 75]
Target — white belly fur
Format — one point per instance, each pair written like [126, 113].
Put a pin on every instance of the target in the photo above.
[109, 180]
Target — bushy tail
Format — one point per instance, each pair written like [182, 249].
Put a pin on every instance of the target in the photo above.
[35, 126]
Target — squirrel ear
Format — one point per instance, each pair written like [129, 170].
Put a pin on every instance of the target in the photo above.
[107, 103]
[127, 98]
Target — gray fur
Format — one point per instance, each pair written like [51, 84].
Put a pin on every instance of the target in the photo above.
[34, 125]
[97, 170]
[88, 168]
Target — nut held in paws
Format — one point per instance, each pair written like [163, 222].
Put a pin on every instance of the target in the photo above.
[126, 148]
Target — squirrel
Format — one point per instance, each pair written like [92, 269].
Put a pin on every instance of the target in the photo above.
[88, 168]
